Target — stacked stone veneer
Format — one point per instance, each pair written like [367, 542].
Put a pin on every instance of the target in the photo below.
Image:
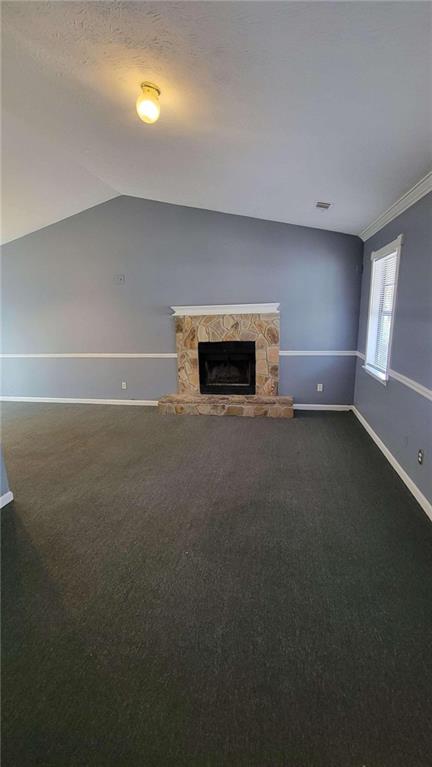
[262, 328]
[226, 404]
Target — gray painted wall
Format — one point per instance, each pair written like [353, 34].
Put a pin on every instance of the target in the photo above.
[149, 379]
[59, 295]
[4, 484]
[400, 416]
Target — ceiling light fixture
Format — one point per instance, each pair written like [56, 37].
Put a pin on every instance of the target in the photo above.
[147, 103]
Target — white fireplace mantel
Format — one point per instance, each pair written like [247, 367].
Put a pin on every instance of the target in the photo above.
[183, 311]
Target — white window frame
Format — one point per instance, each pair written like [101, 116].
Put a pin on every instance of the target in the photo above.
[392, 247]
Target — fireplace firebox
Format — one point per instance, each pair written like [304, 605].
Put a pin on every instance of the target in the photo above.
[227, 367]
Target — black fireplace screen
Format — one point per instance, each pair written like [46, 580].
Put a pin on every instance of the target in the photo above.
[227, 367]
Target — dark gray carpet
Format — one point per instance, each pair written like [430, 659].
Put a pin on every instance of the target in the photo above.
[211, 592]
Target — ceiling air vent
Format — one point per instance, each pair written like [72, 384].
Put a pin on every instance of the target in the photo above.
[323, 205]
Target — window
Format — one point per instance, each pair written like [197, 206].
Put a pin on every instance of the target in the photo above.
[382, 298]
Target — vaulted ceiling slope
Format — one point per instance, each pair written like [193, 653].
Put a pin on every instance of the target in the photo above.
[266, 107]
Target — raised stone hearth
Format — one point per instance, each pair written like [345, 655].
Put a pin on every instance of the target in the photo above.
[230, 404]
[197, 328]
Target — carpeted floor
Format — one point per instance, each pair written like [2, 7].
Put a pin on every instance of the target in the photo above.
[211, 592]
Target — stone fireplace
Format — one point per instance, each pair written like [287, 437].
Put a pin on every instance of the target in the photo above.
[227, 361]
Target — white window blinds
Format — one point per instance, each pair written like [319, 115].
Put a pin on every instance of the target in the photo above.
[385, 267]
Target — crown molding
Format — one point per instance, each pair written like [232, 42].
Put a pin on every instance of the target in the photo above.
[419, 190]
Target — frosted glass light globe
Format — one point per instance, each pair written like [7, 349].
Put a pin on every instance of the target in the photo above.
[147, 103]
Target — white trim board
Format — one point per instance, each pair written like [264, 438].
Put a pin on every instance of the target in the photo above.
[414, 385]
[417, 387]
[419, 190]
[418, 495]
[307, 353]
[84, 401]
[198, 311]
[6, 498]
[409, 382]
[301, 406]
[95, 355]
[142, 402]
[166, 355]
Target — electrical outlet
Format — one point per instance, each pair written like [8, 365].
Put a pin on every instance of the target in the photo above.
[420, 456]
[124, 384]
[320, 387]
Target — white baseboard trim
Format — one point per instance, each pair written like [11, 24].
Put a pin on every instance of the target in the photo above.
[418, 495]
[145, 402]
[6, 498]
[74, 401]
[300, 406]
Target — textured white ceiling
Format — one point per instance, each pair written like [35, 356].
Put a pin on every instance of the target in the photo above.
[266, 107]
